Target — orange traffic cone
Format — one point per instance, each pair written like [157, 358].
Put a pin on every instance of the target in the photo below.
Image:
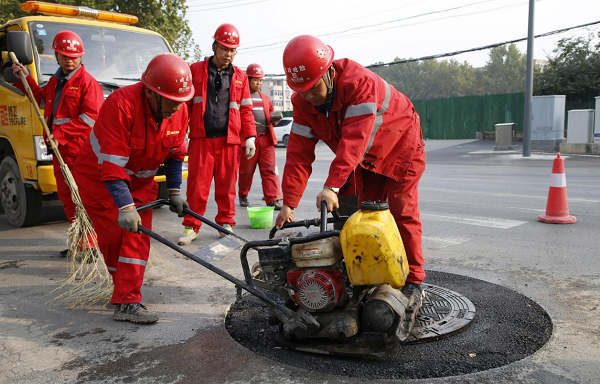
[557, 209]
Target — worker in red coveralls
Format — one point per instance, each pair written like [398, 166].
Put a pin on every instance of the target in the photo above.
[71, 100]
[264, 118]
[140, 127]
[374, 132]
[221, 121]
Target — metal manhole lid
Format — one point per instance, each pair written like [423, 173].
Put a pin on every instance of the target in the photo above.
[443, 313]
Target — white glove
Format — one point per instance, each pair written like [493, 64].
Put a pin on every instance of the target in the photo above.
[250, 147]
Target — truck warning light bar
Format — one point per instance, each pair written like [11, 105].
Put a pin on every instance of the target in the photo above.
[49, 9]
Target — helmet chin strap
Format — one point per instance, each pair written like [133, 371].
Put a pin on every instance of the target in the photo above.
[328, 79]
[159, 115]
[158, 99]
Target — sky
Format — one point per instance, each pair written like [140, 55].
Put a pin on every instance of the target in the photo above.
[371, 31]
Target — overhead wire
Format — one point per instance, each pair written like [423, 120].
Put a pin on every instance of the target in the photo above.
[489, 46]
[481, 48]
[228, 6]
[272, 45]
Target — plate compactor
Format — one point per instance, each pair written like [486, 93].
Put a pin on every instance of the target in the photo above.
[330, 291]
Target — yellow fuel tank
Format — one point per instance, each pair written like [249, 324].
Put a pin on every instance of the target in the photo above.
[372, 247]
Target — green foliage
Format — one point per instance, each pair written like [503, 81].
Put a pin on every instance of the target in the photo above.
[573, 69]
[166, 17]
[431, 79]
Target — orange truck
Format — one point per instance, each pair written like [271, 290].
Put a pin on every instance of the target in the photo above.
[116, 55]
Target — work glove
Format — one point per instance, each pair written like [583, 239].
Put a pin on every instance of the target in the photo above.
[177, 204]
[250, 147]
[276, 117]
[129, 220]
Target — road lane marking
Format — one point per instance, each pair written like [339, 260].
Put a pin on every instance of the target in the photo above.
[503, 194]
[434, 242]
[477, 221]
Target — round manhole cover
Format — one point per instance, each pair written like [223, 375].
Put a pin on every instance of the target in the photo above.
[508, 327]
[443, 313]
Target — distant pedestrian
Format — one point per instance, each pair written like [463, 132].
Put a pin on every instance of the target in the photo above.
[221, 122]
[264, 118]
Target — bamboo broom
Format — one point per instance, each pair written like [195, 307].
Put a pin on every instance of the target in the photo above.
[88, 281]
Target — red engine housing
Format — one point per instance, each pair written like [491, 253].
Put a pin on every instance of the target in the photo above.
[318, 290]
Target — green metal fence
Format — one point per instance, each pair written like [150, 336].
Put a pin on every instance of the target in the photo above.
[463, 117]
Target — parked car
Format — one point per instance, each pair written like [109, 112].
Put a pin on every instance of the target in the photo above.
[282, 130]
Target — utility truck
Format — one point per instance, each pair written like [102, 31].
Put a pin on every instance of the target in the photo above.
[116, 54]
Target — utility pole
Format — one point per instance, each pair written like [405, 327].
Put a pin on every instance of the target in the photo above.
[529, 84]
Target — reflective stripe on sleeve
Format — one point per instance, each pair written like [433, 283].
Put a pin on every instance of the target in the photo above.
[558, 180]
[88, 120]
[121, 161]
[233, 105]
[61, 121]
[129, 260]
[246, 102]
[303, 130]
[361, 109]
[197, 99]
[379, 116]
[112, 269]
[142, 174]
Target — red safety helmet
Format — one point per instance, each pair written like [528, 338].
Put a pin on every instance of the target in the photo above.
[255, 70]
[227, 35]
[305, 61]
[68, 43]
[169, 76]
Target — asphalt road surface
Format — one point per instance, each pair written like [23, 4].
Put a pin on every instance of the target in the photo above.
[479, 210]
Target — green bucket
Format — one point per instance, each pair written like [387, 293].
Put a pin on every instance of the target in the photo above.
[261, 217]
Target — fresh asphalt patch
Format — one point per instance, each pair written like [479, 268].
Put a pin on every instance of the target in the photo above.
[507, 327]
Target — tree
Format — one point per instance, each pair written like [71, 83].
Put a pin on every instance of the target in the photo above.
[166, 17]
[573, 69]
[505, 70]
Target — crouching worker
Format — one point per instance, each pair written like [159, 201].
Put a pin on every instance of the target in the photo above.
[139, 128]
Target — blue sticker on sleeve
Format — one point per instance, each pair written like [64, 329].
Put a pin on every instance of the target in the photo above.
[41, 32]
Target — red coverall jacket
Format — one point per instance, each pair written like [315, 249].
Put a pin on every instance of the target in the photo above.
[241, 121]
[77, 110]
[371, 124]
[126, 145]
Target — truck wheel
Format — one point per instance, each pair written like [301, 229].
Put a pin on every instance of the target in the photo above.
[285, 140]
[163, 192]
[22, 203]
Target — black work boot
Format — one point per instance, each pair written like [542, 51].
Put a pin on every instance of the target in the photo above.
[276, 204]
[135, 312]
[414, 293]
[244, 201]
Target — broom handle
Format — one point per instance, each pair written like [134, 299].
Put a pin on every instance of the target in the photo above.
[52, 141]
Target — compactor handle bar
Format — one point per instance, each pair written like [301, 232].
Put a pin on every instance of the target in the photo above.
[321, 222]
[187, 211]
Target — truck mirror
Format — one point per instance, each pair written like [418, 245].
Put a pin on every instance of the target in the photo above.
[19, 43]
[9, 75]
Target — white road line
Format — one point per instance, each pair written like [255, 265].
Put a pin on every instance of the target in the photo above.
[503, 194]
[478, 221]
[434, 242]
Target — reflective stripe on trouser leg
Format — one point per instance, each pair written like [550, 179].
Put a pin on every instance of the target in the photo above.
[227, 165]
[403, 197]
[200, 175]
[267, 165]
[247, 168]
[131, 266]
[62, 189]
